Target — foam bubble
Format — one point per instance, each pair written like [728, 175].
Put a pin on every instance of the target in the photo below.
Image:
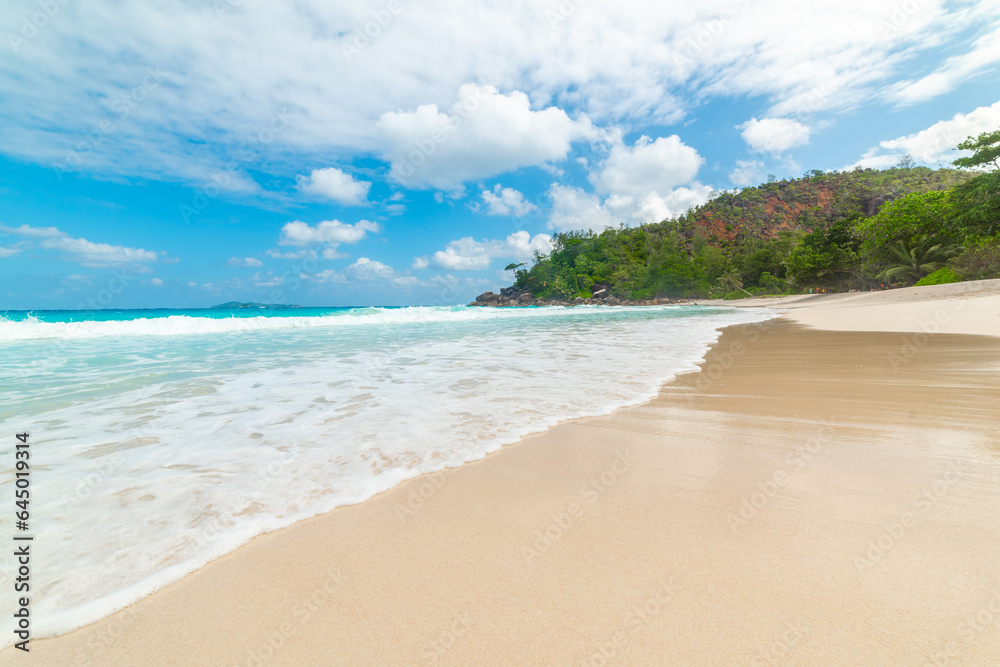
[155, 454]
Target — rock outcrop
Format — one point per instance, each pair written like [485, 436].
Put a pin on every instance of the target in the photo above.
[511, 297]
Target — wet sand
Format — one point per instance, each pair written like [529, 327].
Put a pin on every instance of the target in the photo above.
[811, 497]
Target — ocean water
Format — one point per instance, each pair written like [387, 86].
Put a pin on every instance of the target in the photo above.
[161, 440]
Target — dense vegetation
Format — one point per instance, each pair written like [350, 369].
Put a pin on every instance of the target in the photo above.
[836, 231]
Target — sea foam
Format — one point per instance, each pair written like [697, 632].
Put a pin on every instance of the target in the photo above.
[159, 444]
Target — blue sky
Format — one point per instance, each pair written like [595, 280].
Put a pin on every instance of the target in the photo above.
[400, 153]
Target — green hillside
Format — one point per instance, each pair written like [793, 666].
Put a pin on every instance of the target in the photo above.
[837, 231]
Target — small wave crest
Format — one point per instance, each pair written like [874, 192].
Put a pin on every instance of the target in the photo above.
[32, 328]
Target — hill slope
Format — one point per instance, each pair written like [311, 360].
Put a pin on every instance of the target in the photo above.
[780, 236]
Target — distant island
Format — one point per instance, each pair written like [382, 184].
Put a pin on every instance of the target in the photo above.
[230, 305]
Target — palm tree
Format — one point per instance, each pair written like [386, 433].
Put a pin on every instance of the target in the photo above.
[731, 282]
[914, 260]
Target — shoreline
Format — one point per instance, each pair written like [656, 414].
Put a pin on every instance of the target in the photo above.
[132, 627]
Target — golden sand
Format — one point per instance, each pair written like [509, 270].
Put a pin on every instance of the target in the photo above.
[811, 497]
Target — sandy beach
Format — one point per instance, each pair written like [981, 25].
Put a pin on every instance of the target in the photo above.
[825, 491]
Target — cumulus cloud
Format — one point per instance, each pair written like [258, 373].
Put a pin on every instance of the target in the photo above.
[245, 261]
[370, 270]
[934, 145]
[656, 208]
[648, 166]
[647, 182]
[465, 254]
[155, 281]
[468, 254]
[747, 172]
[774, 135]
[573, 208]
[80, 250]
[335, 184]
[506, 201]
[330, 233]
[522, 245]
[484, 133]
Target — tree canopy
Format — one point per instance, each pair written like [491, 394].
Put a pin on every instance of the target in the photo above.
[827, 230]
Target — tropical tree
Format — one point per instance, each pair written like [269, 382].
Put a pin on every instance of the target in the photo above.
[979, 198]
[928, 214]
[986, 152]
[731, 281]
[914, 260]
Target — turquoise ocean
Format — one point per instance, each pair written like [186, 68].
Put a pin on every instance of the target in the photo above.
[162, 439]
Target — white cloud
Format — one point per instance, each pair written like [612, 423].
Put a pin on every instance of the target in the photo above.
[332, 183]
[406, 281]
[656, 208]
[80, 250]
[9, 252]
[934, 145]
[774, 135]
[985, 53]
[266, 280]
[330, 233]
[573, 208]
[467, 254]
[267, 83]
[647, 182]
[245, 261]
[155, 281]
[522, 245]
[305, 253]
[333, 253]
[299, 233]
[747, 172]
[370, 270]
[32, 232]
[648, 166]
[90, 253]
[483, 134]
[326, 276]
[192, 283]
[507, 201]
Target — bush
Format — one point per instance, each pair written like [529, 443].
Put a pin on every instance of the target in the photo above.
[939, 277]
[927, 215]
[979, 261]
[772, 284]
